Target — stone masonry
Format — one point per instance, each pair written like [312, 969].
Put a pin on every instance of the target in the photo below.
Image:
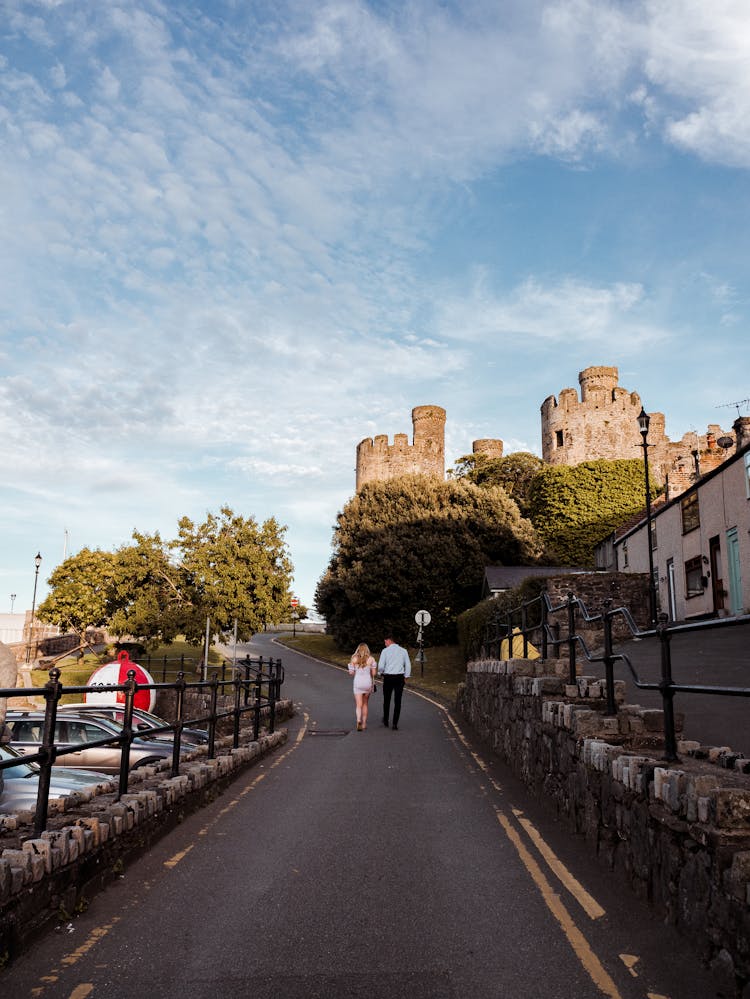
[378, 461]
[603, 423]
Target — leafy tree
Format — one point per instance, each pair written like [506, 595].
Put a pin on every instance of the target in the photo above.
[575, 507]
[413, 543]
[81, 587]
[148, 595]
[233, 569]
[513, 472]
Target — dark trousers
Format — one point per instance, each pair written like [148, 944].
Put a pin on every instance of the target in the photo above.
[393, 683]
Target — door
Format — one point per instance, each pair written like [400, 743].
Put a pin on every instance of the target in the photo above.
[717, 583]
[670, 590]
[733, 566]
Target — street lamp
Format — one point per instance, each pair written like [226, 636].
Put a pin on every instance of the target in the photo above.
[37, 563]
[643, 422]
[12, 601]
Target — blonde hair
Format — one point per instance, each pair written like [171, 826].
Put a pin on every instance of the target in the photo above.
[361, 655]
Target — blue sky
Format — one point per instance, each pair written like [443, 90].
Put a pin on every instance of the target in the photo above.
[238, 237]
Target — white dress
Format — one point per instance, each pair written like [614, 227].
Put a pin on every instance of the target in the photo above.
[362, 676]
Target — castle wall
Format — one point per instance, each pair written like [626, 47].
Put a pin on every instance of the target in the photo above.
[603, 423]
[377, 460]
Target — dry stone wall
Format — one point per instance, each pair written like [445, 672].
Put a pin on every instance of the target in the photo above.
[678, 834]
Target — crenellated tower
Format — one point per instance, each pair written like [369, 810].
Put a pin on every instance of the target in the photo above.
[377, 460]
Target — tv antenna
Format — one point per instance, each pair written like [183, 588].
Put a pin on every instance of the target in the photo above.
[728, 405]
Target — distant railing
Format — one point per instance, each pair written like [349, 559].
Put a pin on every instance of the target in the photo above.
[530, 621]
[255, 684]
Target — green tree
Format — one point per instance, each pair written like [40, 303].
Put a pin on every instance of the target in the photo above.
[81, 588]
[413, 543]
[233, 569]
[575, 507]
[514, 473]
[148, 598]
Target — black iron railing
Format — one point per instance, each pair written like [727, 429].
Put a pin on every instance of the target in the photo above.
[255, 684]
[531, 621]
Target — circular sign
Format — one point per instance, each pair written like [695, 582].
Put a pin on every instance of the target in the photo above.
[117, 672]
[422, 617]
[295, 602]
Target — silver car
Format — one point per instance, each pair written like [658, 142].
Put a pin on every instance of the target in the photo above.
[143, 721]
[74, 730]
[19, 784]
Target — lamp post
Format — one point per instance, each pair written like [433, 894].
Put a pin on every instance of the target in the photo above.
[37, 563]
[643, 422]
[12, 601]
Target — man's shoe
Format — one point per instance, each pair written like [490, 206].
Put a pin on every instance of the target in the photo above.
[385, 722]
[394, 726]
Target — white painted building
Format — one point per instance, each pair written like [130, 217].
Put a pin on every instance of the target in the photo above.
[700, 545]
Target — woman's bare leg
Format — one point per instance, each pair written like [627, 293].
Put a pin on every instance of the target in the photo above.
[365, 700]
[358, 703]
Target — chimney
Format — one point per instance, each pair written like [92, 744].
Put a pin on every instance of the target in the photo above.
[741, 427]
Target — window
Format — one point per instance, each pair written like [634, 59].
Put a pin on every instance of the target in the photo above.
[653, 535]
[559, 438]
[625, 555]
[693, 577]
[691, 516]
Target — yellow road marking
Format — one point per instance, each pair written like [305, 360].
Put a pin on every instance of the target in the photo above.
[174, 861]
[589, 961]
[655, 995]
[630, 961]
[590, 906]
[81, 991]
[93, 938]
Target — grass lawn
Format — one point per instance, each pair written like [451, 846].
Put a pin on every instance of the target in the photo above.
[444, 667]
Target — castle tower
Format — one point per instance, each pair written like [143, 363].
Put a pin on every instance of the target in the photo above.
[377, 460]
[492, 447]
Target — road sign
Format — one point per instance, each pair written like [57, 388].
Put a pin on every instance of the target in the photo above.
[422, 617]
[295, 602]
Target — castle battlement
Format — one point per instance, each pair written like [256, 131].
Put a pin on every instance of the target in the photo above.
[378, 460]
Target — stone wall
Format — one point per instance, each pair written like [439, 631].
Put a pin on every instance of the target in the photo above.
[377, 460]
[677, 834]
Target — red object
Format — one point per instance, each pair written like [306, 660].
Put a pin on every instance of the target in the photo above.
[117, 672]
[295, 602]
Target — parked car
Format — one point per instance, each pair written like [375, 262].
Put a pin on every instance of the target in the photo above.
[20, 783]
[71, 729]
[142, 720]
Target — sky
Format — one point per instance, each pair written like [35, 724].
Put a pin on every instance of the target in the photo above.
[238, 237]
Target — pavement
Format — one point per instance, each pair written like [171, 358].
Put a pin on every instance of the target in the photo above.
[716, 657]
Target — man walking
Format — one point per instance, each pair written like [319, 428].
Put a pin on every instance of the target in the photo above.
[394, 666]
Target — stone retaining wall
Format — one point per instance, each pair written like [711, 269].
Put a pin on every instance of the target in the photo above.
[90, 835]
[678, 834]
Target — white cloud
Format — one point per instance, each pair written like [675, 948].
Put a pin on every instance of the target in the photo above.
[565, 312]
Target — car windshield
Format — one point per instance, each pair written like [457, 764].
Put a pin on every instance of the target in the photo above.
[21, 769]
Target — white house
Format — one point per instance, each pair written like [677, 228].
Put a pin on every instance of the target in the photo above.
[700, 544]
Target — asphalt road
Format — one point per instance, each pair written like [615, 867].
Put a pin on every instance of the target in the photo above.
[377, 864]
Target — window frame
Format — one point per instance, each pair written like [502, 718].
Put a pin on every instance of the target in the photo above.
[694, 569]
[690, 512]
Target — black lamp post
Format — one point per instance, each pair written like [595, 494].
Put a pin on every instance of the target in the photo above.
[37, 563]
[643, 422]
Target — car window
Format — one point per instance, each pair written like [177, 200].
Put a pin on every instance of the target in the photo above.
[27, 730]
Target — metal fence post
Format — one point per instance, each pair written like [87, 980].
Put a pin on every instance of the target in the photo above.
[52, 694]
[544, 618]
[666, 685]
[127, 732]
[180, 707]
[256, 712]
[609, 661]
[572, 668]
[236, 720]
[212, 719]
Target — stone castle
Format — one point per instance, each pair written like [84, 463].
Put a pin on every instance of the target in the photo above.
[602, 423]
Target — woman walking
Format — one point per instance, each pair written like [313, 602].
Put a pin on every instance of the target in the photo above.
[362, 667]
